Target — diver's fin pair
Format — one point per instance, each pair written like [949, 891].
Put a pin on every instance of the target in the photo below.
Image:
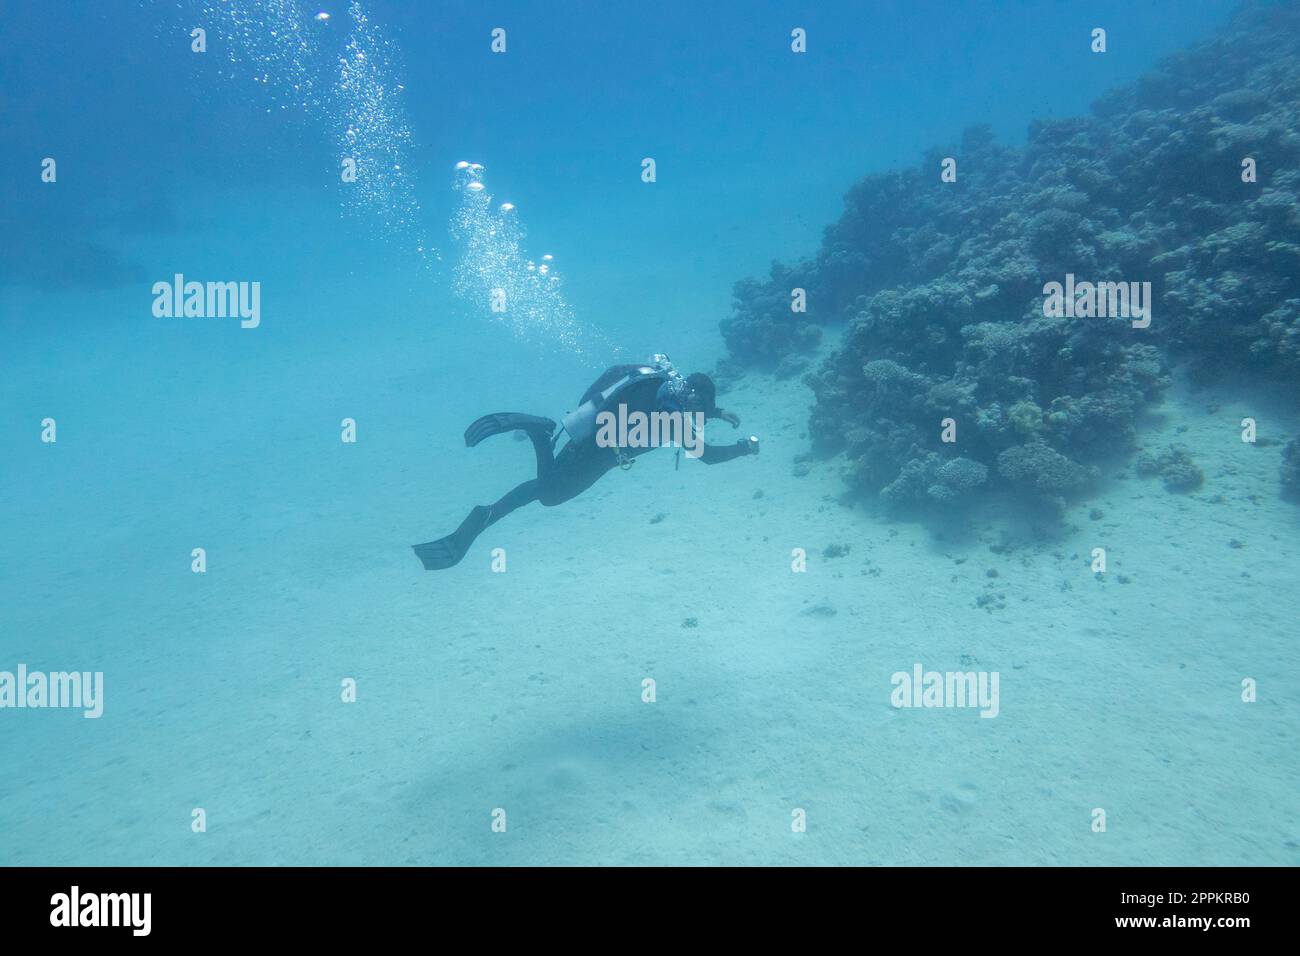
[499, 422]
[446, 552]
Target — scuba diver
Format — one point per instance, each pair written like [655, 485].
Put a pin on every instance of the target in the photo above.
[619, 395]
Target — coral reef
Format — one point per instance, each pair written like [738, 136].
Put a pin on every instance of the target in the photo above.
[940, 285]
[763, 330]
[1174, 466]
[932, 480]
[1044, 470]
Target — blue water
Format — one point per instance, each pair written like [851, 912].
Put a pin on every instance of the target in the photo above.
[523, 690]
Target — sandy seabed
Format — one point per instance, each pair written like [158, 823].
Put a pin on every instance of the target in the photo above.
[523, 690]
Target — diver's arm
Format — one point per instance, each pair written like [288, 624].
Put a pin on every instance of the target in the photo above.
[731, 418]
[716, 454]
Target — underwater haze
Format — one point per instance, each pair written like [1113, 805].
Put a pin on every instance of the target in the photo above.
[1007, 294]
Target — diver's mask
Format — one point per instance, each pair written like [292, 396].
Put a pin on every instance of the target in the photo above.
[676, 396]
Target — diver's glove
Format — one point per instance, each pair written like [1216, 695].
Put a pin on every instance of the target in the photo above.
[731, 418]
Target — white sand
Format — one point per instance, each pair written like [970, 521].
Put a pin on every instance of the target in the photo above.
[523, 690]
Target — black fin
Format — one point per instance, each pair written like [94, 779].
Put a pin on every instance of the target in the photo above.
[447, 552]
[499, 422]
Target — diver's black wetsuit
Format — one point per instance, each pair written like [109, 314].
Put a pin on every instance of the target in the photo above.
[577, 467]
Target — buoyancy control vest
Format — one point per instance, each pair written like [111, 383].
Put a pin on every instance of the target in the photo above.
[580, 424]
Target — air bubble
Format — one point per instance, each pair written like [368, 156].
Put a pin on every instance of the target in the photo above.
[492, 257]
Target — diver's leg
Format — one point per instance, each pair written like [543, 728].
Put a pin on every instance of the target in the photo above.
[448, 551]
[517, 497]
[573, 471]
[544, 448]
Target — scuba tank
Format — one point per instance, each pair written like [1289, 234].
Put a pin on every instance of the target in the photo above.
[580, 424]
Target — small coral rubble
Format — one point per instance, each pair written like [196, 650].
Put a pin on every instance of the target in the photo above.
[1174, 466]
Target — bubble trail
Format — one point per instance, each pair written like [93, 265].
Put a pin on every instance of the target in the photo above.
[493, 263]
[287, 50]
[376, 134]
[269, 42]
